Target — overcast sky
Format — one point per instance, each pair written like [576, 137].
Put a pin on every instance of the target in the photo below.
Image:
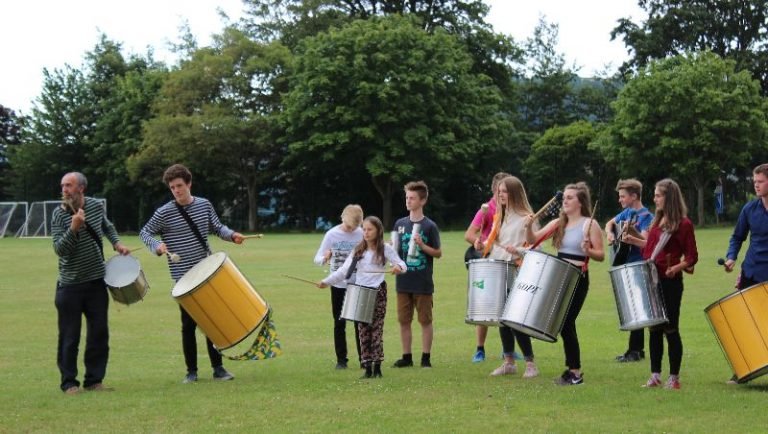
[39, 34]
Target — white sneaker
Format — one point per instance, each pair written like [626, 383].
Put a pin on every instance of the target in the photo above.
[505, 369]
[531, 370]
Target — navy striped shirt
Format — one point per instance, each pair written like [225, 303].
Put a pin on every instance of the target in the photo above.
[174, 231]
[80, 259]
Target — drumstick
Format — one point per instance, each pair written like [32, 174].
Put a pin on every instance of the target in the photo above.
[300, 279]
[557, 196]
[173, 257]
[136, 249]
[591, 219]
[248, 237]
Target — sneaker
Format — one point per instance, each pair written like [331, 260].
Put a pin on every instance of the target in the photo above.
[515, 355]
[569, 379]
[531, 370]
[631, 356]
[221, 374]
[191, 377]
[72, 390]
[672, 383]
[479, 356]
[654, 381]
[403, 363]
[99, 387]
[341, 365]
[733, 380]
[504, 369]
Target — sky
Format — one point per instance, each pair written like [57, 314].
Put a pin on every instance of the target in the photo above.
[38, 34]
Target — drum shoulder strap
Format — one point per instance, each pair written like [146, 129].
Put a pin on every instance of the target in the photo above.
[194, 229]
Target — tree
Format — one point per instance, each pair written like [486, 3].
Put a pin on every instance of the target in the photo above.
[688, 117]
[217, 113]
[10, 135]
[388, 95]
[737, 30]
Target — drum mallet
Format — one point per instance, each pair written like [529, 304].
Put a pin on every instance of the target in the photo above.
[248, 237]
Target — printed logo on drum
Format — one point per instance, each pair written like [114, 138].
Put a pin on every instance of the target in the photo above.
[479, 284]
[527, 287]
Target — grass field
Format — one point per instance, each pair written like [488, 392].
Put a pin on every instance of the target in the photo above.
[302, 392]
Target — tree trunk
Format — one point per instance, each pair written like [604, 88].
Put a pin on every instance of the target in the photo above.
[384, 186]
[700, 204]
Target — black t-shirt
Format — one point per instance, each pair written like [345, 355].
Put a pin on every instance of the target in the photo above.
[418, 279]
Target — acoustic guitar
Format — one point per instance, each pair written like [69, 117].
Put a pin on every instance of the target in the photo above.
[620, 249]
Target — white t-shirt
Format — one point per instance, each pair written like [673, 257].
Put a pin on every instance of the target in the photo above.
[368, 272]
[340, 243]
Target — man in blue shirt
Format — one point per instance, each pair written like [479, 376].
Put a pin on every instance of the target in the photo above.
[752, 222]
[639, 218]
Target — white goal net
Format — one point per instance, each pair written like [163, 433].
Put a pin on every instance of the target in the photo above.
[13, 215]
[38, 222]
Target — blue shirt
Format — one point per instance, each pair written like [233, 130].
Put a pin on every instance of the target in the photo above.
[753, 221]
[642, 223]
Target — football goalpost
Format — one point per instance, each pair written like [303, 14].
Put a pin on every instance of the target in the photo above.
[13, 215]
[38, 223]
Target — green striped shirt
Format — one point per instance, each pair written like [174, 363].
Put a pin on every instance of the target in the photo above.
[80, 259]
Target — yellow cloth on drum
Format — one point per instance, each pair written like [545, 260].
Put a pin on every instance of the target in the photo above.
[266, 345]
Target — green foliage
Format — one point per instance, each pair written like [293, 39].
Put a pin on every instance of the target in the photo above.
[691, 115]
[737, 30]
[217, 114]
[386, 94]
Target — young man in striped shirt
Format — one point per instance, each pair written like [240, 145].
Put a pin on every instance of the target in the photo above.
[178, 238]
[77, 228]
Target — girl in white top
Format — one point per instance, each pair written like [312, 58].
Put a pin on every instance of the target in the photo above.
[577, 238]
[368, 263]
[336, 246]
[506, 242]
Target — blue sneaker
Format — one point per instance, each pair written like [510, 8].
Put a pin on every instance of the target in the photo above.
[479, 356]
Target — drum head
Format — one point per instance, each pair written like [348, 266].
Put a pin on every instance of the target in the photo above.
[199, 274]
[121, 271]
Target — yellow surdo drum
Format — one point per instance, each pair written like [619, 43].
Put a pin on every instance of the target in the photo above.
[740, 323]
[221, 300]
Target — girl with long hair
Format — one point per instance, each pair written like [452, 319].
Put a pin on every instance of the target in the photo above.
[368, 263]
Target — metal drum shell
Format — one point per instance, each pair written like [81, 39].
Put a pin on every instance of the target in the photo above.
[359, 303]
[125, 279]
[488, 282]
[638, 298]
[541, 295]
[740, 324]
[221, 300]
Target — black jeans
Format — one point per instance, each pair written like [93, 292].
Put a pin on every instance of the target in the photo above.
[636, 340]
[508, 337]
[672, 294]
[189, 344]
[570, 337]
[340, 326]
[87, 299]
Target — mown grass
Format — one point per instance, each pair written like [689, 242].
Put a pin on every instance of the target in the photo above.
[301, 392]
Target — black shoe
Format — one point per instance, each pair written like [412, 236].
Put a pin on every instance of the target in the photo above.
[191, 377]
[221, 374]
[377, 370]
[631, 356]
[368, 372]
[425, 362]
[405, 362]
[341, 365]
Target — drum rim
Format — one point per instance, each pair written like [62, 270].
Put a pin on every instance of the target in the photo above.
[362, 286]
[119, 259]
[733, 294]
[486, 260]
[250, 332]
[204, 281]
[554, 257]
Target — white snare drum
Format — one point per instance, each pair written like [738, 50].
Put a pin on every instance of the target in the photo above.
[359, 303]
[487, 286]
[125, 279]
[638, 298]
[539, 299]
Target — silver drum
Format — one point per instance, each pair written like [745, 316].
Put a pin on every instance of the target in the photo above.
[359, 303]
[125, 279]
[541, 295]
[487, 286]
[638, 298]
